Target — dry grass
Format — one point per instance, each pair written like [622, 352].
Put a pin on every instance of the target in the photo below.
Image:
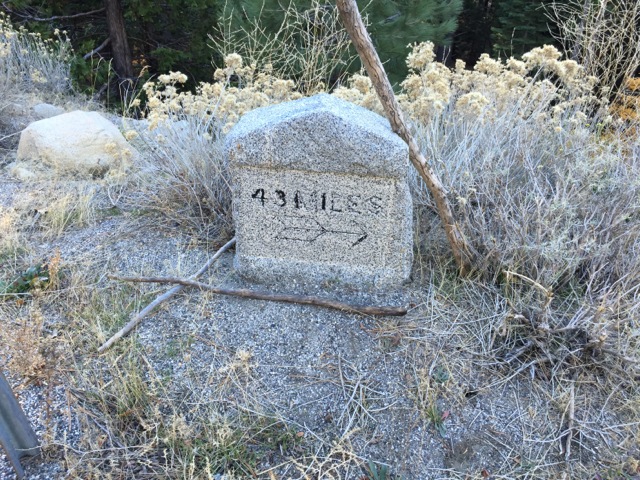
[73, 209]
[28, 65]
[182, 176]
[309, 45]
[548, 201]
[11, 239]
[591, 403]
[29, 62]
[26, 349]
[152, 410]
[603, 37]
[53, 207]
[141, 420]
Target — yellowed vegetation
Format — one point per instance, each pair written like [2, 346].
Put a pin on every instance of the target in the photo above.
[30, 62]
[10, 239]
[541, 83]
[627, 106]
[224, 99]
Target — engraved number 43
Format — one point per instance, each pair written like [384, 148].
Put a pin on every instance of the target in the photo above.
[280, 200]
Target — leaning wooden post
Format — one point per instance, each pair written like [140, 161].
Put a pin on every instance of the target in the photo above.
[352, 20]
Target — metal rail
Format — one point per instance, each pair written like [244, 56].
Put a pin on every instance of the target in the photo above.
[16, 435]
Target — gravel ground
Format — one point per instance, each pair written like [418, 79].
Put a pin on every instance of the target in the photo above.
[338, 378]
[308, 361]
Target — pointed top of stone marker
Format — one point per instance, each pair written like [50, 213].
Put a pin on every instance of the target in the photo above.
[321, 133]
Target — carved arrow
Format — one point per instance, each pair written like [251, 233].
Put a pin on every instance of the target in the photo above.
[308, 229]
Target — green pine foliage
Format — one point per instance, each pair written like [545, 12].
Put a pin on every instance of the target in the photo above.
[519, 26]
[174, 33]
[183, 35]
[473, 36]
[396, 24]
[393, 24]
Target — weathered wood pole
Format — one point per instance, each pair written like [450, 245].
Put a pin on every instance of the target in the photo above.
[354, 25]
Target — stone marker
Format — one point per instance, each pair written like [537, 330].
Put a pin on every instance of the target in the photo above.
[320, 193]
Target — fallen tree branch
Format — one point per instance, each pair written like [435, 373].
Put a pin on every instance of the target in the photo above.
[97, 49]
[165, 296]
[274, 297]
[55, 17]
[350, 15]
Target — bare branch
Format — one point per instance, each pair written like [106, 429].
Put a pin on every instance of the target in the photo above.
[97, 49]
[354, 25]
[274, 297]
[165, 296]
[567, 436]
[48, 19]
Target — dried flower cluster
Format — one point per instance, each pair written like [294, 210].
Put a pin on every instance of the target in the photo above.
[541, 84]
[28, 60]
[236, 89]
[627, 106]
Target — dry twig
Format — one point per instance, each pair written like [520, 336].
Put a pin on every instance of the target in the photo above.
[274, 297]
[33, 18]
[165, 296]
[568, 435]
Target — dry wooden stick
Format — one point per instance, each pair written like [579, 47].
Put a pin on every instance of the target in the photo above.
[571, 420]
[275, 297]
[165, 296]
[352, 20]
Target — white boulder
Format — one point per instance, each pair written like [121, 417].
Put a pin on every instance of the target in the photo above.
[75, 143]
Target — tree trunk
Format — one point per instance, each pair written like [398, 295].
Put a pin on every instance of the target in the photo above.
[352, 20]
[119, 43]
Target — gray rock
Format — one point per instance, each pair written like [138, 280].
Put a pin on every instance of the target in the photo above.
[320, 194]
[46, 110]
